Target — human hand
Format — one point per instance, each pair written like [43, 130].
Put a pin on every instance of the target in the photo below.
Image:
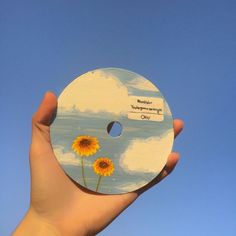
[58, 205]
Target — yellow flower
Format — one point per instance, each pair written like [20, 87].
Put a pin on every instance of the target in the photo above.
[103, 166]
[85, 145]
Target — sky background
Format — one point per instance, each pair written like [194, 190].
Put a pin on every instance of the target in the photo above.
[187, 48]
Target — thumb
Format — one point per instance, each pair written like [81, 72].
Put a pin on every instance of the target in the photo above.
[41, 121]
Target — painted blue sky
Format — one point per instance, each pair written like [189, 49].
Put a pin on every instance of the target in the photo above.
[187, 48]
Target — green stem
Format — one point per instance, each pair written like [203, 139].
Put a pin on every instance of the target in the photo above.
[83, 175]
[99, 180]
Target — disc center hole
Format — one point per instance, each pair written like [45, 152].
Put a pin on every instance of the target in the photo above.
[114, 128]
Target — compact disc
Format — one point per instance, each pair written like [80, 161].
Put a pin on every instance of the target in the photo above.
[113, 131]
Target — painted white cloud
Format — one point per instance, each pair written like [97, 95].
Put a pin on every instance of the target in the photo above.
[131, 186]
[68, 158]
[143, 84]
[147, 155]
[95, 91]
[65, 158]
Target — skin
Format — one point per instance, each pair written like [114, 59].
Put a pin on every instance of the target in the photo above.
[58, 205]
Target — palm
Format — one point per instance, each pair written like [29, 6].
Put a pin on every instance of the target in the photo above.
[57, 198]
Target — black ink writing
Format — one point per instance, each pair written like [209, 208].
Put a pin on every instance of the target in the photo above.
[144, 101]
[148, 109]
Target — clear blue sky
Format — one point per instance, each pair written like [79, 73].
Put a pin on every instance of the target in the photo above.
[187, 48]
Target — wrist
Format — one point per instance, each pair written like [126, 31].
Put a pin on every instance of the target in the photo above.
[35, 225]
[32, 224]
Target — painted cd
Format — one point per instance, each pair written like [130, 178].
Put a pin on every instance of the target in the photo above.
[113, 131]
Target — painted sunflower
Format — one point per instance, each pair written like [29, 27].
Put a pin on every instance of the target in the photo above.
[103, 166]
[85, 145]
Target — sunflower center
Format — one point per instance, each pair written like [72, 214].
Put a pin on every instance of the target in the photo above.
[85, 142]
[103, 164]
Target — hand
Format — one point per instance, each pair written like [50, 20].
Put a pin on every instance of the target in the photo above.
[58, 205]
